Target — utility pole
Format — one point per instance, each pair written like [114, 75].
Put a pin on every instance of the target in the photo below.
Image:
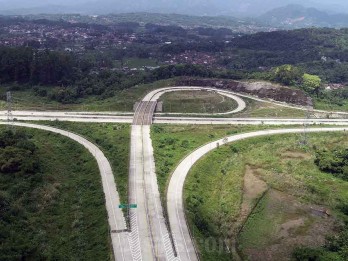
[9, 108]
[308, 114]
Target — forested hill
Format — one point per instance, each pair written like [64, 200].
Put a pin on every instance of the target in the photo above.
[319, 51]
[296, 40]
[322, 52]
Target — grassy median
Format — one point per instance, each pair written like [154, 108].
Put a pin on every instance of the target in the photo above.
[197, 102]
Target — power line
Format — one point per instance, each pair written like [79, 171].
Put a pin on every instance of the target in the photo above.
[308, 114]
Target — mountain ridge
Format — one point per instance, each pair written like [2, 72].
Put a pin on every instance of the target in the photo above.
[239, 8]
[298, 16]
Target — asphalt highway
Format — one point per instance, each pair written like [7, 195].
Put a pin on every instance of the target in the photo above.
[52, 116]
[148, 221]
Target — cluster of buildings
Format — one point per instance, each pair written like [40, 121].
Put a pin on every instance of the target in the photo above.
[192, 57]
[54, 36]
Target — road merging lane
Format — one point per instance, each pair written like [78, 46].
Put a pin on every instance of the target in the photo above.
[148, 219]
[149, 238]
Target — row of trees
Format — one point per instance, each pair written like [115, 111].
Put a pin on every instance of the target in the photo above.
[74, 78]
[291, 75]
[25, 65]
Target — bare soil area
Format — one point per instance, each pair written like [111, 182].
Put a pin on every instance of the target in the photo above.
[253, 189]
[260, 89]
[291, 224]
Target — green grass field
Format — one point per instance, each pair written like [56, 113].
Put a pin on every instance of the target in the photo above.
[256, 109]
[139, 62]
[214, 194]
[173, 142]
[196, 102]
[58, 212]
[324, 105]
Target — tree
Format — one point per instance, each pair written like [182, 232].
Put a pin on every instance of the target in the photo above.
[287, 74]
[311, 83]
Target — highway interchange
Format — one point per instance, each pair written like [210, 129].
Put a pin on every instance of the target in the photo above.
[150, 235]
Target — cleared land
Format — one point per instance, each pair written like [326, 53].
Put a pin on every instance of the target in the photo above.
[196, 102]
[261, 198]
[52, 202]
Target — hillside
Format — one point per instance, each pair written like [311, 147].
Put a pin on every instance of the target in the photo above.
[297, 16]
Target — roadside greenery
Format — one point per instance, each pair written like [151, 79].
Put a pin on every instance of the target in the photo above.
[173, 142]
[214, 193]
[51, 199]
[334, 161]
[113, 140]
[312, 84]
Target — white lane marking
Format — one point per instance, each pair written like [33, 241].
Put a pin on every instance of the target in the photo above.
[168, 248]
[134, 224]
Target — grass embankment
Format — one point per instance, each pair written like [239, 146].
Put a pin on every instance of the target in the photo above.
[327, 106]
[122, 100]
[113, 140]
[173, 142]
[288, 213]
[196, 102]
[257, 109]
[254, 109]
[51, 198]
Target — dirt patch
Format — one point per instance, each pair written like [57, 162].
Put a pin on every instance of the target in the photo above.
[296, 155]
[261, 89]
[292, 224]
[253, 189]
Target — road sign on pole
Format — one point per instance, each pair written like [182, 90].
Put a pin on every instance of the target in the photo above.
[127, 206]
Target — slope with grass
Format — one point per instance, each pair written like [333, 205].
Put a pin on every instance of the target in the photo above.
[113, 140]
[295, 207]
[173, 142]
[51, 196]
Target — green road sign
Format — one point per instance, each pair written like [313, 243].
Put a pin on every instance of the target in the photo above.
[127, 206]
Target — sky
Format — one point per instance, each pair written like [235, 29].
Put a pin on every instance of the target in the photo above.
[211, 7]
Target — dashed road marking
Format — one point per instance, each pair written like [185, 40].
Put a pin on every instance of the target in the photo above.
[133, 237]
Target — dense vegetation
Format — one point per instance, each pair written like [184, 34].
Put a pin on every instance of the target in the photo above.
[334, 161]
[102, 69]
[51, 199]
[27, 68]
[113, 140]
